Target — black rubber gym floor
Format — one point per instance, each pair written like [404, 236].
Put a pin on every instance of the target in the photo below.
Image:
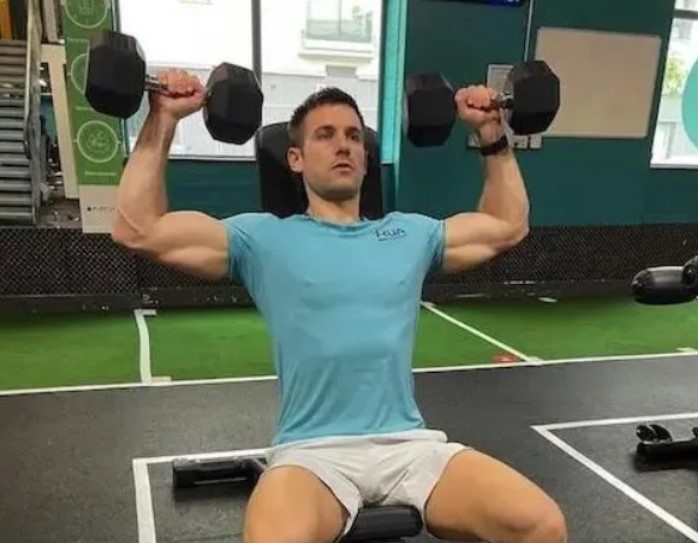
[67, 458]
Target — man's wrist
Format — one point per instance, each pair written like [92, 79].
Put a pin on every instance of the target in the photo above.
[162, 120]
[490, 134]
[157, 131]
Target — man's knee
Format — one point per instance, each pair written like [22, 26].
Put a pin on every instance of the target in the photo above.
[547, 525]
[534, 523]
[282, 529]
[290, 505]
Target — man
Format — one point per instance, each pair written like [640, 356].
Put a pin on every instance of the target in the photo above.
[341, 298]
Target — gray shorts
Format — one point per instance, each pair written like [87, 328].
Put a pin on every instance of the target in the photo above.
[388, 469]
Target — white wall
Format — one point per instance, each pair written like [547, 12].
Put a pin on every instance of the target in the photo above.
[194, 33]
[202, 33]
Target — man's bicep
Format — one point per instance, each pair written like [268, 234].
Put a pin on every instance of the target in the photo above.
[191, 242]
[477, 229]
[474, 238]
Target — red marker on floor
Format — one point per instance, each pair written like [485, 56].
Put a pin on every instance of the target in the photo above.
[504, 358]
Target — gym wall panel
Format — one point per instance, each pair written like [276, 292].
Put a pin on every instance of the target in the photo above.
[571, 181]
[459, 40]
[605, 181]
[220, 189]
[640, 17]
[671, 196]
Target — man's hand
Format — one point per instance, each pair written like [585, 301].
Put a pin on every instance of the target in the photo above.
[472, 103]
[186, 95]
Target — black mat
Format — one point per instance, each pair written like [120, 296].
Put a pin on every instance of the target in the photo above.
[66, 458]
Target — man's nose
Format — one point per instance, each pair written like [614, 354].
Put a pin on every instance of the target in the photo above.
[343, 145]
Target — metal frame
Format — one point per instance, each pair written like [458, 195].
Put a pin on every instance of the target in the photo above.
[50, 21]
[381, 67]
[257, 38]
[383, 91]
[688, 15]
[529, 30]
[54, 56]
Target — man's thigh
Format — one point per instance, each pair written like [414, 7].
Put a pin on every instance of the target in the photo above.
[291, 504]
[478, 498]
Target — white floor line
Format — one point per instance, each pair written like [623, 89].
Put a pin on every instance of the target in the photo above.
[432, 307]
[216, 455]
[619, 357]
[614, 422]
[265, 378]
[626, 489]
[144, 502]
[144, 343]
[537, 363]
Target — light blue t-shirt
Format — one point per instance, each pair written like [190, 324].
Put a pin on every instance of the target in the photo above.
[341, 303]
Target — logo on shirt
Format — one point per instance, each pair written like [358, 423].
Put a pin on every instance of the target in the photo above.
[390, 234]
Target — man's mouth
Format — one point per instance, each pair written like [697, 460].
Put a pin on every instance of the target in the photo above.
[342, 166]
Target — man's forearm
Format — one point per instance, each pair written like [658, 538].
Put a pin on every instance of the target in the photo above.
[141, 197]
[504, 193]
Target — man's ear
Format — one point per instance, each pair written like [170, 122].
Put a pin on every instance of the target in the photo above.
[295, 159]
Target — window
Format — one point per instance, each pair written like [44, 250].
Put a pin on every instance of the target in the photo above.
[311, 44]
[195, 36]
[305, 45]
[672, 146]
[339, 21]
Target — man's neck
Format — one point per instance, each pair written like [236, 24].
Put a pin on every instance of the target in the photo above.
[343, 213]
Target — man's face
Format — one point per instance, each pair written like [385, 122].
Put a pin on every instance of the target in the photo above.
[332, 159]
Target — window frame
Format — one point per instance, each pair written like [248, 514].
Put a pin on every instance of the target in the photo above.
[679, 15]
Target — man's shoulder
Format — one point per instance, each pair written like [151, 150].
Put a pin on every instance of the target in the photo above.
[414, 218]
[248, 220]
[260, 223]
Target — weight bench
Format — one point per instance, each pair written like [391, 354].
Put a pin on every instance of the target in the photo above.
[388, 524]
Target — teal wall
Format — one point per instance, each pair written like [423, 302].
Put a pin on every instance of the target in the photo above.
[217, 188]
[571, 181]
[458, 40]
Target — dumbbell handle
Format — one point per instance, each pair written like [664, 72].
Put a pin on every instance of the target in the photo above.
[501, 101]
[155, 85]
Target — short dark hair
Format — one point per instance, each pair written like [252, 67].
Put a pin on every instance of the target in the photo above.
[328, 95]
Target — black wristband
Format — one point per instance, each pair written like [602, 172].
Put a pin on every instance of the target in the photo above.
[496, 147]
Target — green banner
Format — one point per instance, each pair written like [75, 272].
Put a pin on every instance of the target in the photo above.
[97, 139]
